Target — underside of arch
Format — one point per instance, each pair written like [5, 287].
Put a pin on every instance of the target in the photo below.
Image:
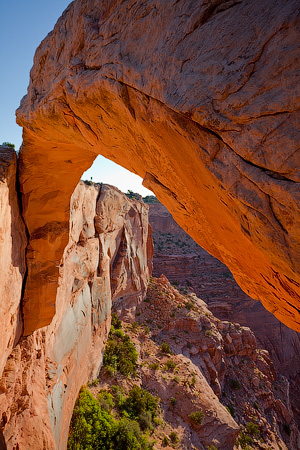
[196, 101]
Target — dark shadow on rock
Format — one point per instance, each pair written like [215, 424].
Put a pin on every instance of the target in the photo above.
[2, 442]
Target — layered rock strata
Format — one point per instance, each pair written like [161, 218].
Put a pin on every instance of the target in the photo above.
[194, 98]
[191, 268]
[106, 256]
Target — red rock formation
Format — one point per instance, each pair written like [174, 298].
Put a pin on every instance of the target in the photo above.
[13, 242]
[185, 263]
[201, 101]
[240, 375]
[45, 371]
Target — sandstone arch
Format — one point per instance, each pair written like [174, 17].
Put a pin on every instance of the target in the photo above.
[200, 100]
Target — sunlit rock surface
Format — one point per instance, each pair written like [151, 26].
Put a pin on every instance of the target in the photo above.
[44, 372]
[202, 101]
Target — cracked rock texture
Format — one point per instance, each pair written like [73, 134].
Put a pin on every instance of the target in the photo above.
[44, 372]
[201, 100]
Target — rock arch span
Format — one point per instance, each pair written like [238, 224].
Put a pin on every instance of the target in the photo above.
[200, 100]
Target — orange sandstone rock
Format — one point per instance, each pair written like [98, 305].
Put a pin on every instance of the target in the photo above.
[200, 100]
[44, 372]
[13, 242]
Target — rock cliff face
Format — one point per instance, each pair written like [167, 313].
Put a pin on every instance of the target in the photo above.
[193, 97]
[178, 257]
[106, 257]
[13, 243]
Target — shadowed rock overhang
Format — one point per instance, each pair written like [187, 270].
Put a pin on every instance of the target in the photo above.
[201, 101]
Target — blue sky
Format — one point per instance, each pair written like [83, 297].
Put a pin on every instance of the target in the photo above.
[24, 24]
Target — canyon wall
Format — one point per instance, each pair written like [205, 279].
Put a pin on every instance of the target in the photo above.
[202, 101]
[186, 264]
[13, 241]
[105, 259]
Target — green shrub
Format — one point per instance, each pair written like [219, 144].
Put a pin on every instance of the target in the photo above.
[231, 409]
[208, 333]
[91, 427]
[165, 348]
[234, 384]
[8, 144]
[193, 380]
[244, 440]
[128, 436]
[173, 401]
[115, 321]
[134, 325]
[174, 437]
[106, 400]
[154, 366]
[145, 420]
[120, 354]
[197, 417]
[252, 428]
[165, 441]
[189, 305]
[139, 401]
[170, 365]
[150, 199]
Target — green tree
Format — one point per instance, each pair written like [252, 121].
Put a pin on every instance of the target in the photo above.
[8, 144]
[91, 427]
[140, 401]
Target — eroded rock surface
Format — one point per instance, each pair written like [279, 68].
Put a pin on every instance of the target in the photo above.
[202, 101]
[44, 372]
[191, 268]
[214, 364]
[13, 243]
